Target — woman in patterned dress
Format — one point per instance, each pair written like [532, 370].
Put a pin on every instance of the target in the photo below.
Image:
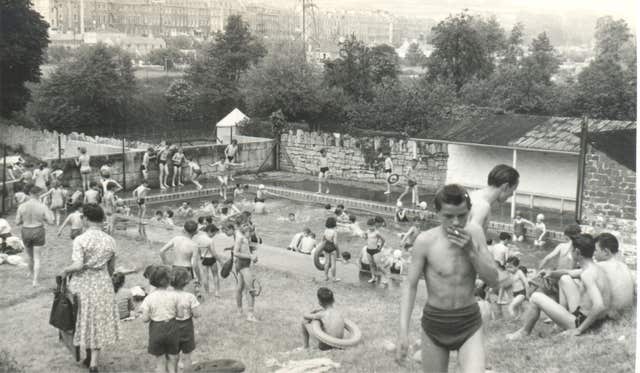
[93, 261]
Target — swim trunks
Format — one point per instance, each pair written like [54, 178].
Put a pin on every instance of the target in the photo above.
[580, 317]
[85, 170]
[230, 159]
[197, 172]
[143, 167]
[33, 236]
[387, 170]
[162, 338]
[208, 261]
[258, 200]
[518, 229]
[188, 268]
[520, 292]
[394, 269]
[75, 233]
[450, 329]
[141, 201]
[373, 252]
[323, 170]
[411, 183]
[242, 263]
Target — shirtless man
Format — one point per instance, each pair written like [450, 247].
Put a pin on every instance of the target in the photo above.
[621, 278]
[449, 256]
[185, 250]
[331, 320]
[144, 166]
[323, 170]
[92, 195]
[586, 304]
[564, 256]
[230, 152]
[502, 181]
[32, 215]
[412, 183]
[244, 258]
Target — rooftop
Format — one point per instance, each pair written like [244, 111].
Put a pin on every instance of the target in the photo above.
[519, 131]
[619, 145]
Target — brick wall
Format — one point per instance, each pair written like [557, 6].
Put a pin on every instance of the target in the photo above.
[609, 199]
[299, 153]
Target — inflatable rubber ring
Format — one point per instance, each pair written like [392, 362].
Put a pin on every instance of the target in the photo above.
[316, 260]
[354, 334]
[393, 178]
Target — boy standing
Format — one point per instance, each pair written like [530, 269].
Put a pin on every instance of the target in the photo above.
[323, 170]
[185, 250]
[374, 242]
[187, 309]
[331, 320]
[412, 184]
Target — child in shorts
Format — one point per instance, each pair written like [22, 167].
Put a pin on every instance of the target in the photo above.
[375, 242]
[196, 171]
[519, 287]
[75, 219]
[187, 309]
[540, 231]
[159, 309]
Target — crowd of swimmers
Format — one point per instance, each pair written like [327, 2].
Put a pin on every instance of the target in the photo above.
[466, 274]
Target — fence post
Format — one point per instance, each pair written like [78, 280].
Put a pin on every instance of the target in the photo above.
[59, 148]
[124, 166]
[584, 132]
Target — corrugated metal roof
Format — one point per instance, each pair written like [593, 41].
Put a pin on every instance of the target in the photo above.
[484, 127]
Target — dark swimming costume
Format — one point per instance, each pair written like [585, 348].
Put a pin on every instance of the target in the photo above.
[450, 329]
[580, 317]
[258, 200]
[208, 261]
[395, 269]
[329, 247]
[143, 168]
[162, 162]
[387, 170]
[141, 201]
[520, 292]
[242, 263]
[518, 229]
[411, 183]
[373, 252]
[230, 159]
[324, 169]
[33, 236]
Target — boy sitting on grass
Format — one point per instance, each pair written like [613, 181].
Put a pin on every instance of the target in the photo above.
[330, 318]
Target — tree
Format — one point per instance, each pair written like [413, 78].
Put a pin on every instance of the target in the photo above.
[611, 37]
[543, 60]
[605, 91]
[57, 54]
[179, 98]
[166, 57]
[22, 43]
[513, 52]
[491, 33]
[351, 71]
[216, 72]
[459, 53]
[415, 56]
[384, 63]
[91, 93]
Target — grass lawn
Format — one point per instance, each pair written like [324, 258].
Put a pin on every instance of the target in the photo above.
[221, 333]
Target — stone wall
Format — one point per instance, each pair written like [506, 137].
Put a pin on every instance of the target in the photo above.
[43, 144]
[254, 154]
[299, 153]
[609, 198]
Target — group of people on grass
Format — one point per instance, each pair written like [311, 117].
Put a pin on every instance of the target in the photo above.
[587, 286]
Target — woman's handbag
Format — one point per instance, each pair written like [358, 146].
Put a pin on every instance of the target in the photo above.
[63, 310]
[226, 268]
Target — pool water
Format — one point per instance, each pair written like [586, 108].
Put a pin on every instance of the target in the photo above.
[276, 230]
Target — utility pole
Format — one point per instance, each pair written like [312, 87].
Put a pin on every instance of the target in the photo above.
[82, 19]
[304, 25]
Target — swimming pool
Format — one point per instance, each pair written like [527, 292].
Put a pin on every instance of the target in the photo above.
[275, 228]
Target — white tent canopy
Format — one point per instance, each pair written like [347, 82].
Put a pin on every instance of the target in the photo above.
[232, 119]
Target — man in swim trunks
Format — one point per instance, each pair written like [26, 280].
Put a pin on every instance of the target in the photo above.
[331, 320]
[449, 256]
[163, 169]
[388, 170]
[412, 183]
[185, 250]
[502, 181]
[230, 152]
[564, 255]
[243, 260]
[144, 166]
[588, 303]
[323, 170]
[32, 216]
